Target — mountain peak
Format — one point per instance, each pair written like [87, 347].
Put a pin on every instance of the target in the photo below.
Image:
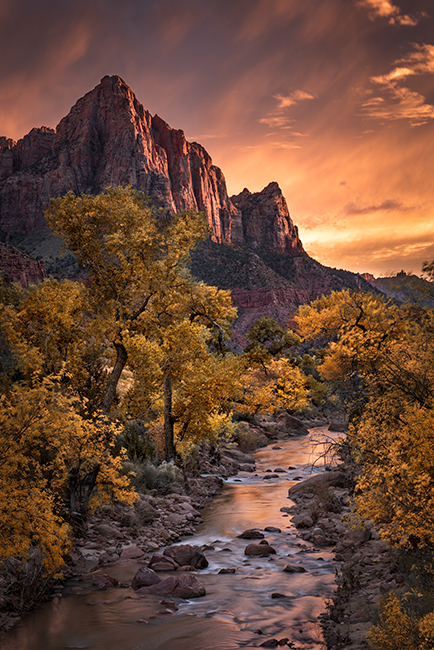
[107, 139]
[266, 220]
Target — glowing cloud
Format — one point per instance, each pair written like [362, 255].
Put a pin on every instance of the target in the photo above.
[401, 102]
[385, 9]
[278, 117]
[292, 99]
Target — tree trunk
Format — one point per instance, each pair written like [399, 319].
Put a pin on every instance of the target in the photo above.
[169, 447]
[110, 392]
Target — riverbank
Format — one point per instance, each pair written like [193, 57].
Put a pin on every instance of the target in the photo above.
[117, 534]
[118, 537]
[366, 564]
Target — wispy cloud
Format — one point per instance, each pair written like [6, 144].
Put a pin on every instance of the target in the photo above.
[292, 99]
[386, 206]
[386, 9]
[398, 102]
[279, 117]
[277, 121]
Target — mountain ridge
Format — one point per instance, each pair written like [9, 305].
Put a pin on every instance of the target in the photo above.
[108, 138]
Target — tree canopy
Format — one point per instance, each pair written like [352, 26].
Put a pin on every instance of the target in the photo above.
[380, 357]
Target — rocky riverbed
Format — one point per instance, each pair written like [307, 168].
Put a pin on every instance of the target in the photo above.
[118, 536]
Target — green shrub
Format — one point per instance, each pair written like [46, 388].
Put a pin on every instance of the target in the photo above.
[138, 442]
[164, 478]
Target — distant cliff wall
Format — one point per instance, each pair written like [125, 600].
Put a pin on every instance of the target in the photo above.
[16, 266]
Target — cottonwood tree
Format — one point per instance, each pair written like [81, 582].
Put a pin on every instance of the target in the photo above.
[386, 354]
[136, 257]
[157, 318]
[55, 467]
[271, 380]
[182, 368]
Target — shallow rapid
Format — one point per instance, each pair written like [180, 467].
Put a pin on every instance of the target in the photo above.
[260, 601]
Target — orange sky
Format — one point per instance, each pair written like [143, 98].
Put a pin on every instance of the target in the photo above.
[333, 99]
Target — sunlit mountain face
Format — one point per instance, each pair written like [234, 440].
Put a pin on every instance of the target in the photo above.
[332, 99]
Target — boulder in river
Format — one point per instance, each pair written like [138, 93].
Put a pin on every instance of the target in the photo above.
[288, 426]
[294, 568]
[185, 586]
[145, 577]
[335, 478]
[251, 533]
[184, 554]
[160, 562]
[260, 550]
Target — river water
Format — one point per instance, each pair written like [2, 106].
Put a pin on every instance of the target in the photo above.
[257, 603]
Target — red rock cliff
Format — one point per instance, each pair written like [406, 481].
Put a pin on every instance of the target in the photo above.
[108, 138]
[16, 266]
[266, 221]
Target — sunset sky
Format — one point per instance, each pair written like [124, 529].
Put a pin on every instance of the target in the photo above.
[333, 99]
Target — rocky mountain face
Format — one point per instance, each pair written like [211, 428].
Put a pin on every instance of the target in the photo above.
[267, 282]
[266, 221]
[108, 138]
[17, 266]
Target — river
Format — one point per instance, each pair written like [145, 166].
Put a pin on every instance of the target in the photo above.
[257, 603]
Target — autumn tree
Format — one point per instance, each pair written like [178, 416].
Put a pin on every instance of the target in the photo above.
[197, 401]
[157, 318]
[275, 376]
[267, 340]
[136, 257]
[54, 468]
[384, 355]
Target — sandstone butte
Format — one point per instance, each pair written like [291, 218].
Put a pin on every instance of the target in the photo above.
[108, 138]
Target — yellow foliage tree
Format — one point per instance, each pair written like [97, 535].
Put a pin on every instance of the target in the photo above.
[182, 380]
[384, 355]
[157, 318]
[282, 386]
[51, 320]
[54, 467]
[136, 257]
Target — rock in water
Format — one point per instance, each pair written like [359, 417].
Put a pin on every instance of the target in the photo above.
[145, 577]
[260, 550]
[184, 554]
[185, 586]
